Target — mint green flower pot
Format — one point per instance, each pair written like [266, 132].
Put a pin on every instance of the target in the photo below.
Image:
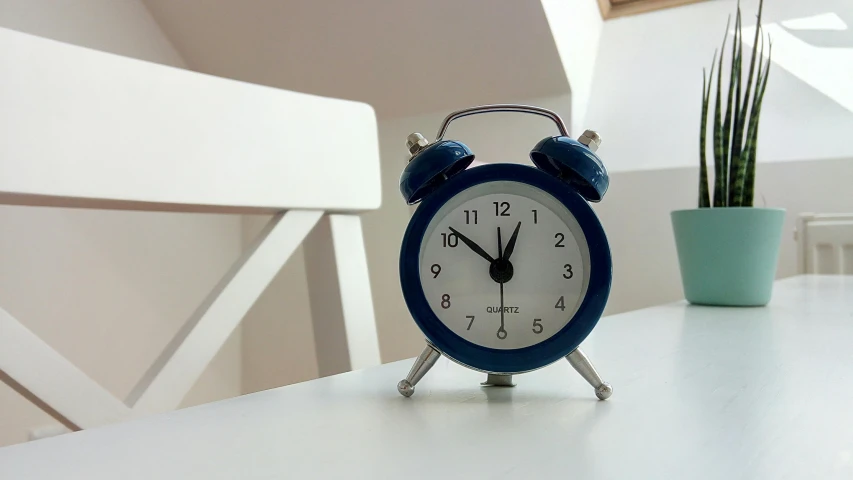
[728, 256]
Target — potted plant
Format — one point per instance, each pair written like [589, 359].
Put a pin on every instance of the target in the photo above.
[727, 248]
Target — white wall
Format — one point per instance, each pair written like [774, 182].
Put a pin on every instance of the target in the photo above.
[646, 93]
[118, 26]
[108, 289]
[402, 57]
[576, 27]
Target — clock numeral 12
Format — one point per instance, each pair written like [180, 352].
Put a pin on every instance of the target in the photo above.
[469, 214]
[449, 240]
[499, 206]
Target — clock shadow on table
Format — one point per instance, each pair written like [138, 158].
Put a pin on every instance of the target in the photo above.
[498, 395]
[463, 412]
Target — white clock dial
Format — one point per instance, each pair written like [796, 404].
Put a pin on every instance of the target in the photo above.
[549, 265]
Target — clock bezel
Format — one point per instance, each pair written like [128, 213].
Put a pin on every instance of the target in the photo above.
[524, 359]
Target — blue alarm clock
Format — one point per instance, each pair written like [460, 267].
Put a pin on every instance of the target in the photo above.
[505, 268]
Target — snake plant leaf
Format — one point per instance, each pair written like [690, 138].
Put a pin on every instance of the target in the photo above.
[720, 169]
[735, 131]
[743, 112]
[740, 177]
[734, 77]
[749, 184]
[704, 194]
[736, 86]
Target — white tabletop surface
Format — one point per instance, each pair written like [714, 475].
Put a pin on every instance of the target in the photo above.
[699, 393]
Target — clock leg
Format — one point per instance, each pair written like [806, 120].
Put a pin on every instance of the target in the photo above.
[423, 363]
[496, 380]
[581, 363]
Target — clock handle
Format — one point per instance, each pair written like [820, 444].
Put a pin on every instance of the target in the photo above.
[423, 363]
[544, 112]
[581, 363]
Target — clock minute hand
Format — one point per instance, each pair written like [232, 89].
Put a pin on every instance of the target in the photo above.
[510, 246]
[473, 246]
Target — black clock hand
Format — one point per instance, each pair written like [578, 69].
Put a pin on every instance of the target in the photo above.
[502, 330]
[473, 246]
[510, 246]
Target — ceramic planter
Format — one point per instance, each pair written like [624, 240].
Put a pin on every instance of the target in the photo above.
[728, 256]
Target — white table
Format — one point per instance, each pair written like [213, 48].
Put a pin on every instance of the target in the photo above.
[699, 393]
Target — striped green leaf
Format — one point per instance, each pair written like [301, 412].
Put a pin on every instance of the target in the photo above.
[749, 183]
[704, 193]
[720, 199]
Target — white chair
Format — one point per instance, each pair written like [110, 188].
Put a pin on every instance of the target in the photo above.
[825, 243]
[230, 147]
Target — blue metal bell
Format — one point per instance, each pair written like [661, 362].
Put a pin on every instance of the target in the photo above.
[574, 163]
[431, 166]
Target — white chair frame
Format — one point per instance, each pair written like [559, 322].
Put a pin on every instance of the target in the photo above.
[198, 144]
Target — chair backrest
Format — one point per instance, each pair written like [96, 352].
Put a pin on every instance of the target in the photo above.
[825, 243]
[81, 128]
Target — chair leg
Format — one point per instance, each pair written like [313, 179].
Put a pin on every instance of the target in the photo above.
[359, 319]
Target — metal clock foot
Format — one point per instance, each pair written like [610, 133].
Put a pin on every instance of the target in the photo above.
[423, 363]
[496, 380]
[581, 363]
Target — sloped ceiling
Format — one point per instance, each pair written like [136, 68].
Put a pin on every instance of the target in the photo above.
[403, 57]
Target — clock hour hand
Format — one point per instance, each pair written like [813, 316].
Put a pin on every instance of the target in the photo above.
[510, 246]
[473, 246]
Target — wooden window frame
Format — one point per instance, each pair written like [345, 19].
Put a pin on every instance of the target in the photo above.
[608, 10]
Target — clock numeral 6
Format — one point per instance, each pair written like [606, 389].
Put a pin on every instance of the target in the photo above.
[445, 301]
[561, 304]
[435, 269]
[470, 317]
[569, 273]
[537, 326]
[449, 240]
[501, 209]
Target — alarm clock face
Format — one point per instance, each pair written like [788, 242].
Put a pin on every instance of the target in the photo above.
[504, 265]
